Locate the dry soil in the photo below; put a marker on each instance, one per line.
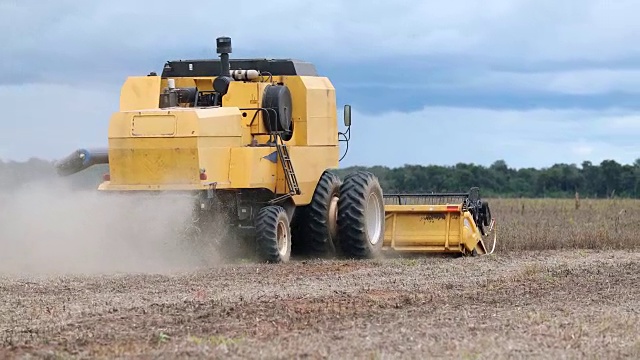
(90, 276)
(560, 304)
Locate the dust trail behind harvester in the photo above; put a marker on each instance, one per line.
(49, 228)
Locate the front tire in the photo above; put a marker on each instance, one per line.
(273, 234)
(361, 216)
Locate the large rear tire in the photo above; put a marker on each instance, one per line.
(273, 234)
(361, 216)
(316, 228)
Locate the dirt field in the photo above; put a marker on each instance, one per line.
(112, 299)
(581, 304)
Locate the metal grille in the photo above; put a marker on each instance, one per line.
(426, 199)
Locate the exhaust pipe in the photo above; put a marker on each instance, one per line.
(81, 159)
(221, 83)
(223, 48)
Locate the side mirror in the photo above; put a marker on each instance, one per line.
(347, 115)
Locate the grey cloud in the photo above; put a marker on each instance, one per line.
(68, 117)
(74, 55)
(496, 31)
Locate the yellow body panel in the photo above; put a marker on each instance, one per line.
(309, 162)
(153, 161)
(140, 92)
(315, 114)
(431, 228)
(248, 95)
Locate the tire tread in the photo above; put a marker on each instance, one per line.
(266, 233)
(351, 214)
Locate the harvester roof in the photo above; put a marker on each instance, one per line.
(211, 67)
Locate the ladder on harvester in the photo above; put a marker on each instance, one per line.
(287, 166)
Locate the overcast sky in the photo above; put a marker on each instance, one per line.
(431, 82)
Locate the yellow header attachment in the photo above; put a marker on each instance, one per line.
(444, 227)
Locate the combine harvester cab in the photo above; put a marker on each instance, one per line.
(457, 223)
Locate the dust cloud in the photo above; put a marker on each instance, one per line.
(49, 228)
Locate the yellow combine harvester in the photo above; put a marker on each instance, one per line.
(253, 141)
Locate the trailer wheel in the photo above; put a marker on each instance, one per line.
(273, 234)
(316, 225)
(361, 215)
(486, 214)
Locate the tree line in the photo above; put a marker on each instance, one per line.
(607, 179)
(604, 180)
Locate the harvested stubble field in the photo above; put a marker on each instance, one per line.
(563, 283)
(554, 224)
